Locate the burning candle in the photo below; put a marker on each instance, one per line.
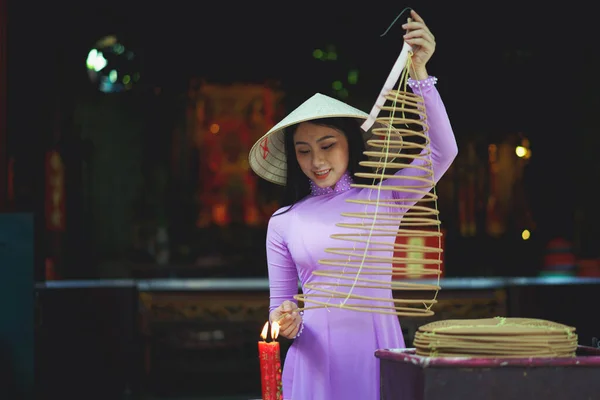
(270, 364)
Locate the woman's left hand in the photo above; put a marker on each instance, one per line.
(422, 41)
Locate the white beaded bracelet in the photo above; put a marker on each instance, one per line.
(422, 84)
(301, 326)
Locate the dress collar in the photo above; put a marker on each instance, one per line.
(341, 186)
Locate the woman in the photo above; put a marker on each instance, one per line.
(332, 356)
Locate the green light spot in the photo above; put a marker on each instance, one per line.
(352, 77)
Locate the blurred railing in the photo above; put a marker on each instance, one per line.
(189, 336)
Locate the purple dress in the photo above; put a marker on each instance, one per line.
(333, 358)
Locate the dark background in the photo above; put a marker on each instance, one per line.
(502, 67)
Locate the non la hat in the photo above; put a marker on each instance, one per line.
(267, 156)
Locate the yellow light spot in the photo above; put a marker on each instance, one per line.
(416, 268)
(521, 151)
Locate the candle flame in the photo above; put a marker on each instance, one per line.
(274, 330)
(263, 334)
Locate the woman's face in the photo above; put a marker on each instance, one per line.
(322, 153)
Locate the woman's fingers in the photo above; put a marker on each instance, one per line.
(289, 324)
(420, 33)
(290, 331)
(416, 22)
(288, 318)
(416, 16)
(288, 306)
(420, 42)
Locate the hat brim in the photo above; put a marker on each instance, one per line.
(267, 156)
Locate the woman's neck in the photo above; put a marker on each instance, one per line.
(342, 185)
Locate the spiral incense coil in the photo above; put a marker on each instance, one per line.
(383, 237)
(496, 337)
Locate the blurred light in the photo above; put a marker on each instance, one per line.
(337, 85)
(353, 77)
(331, 53)
(326, 55)
(118, 48)
(109, 60)
(112, 76)
(521, 151)
(525, 234)
(95, 60)
(214, 128)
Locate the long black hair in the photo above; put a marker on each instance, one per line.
(297, 184)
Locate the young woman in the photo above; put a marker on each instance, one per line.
(315, 152)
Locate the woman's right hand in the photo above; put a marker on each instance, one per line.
(422, 41)
(288, 318)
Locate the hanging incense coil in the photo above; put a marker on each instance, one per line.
(386, 236)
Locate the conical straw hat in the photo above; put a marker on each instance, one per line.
(267, 156)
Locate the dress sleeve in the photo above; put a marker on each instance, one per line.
(283, 276)
(442, 141)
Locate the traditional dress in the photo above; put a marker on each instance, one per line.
(333, 358)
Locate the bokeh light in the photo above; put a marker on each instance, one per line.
(111, 66)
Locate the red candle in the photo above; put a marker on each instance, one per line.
(270, 364)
